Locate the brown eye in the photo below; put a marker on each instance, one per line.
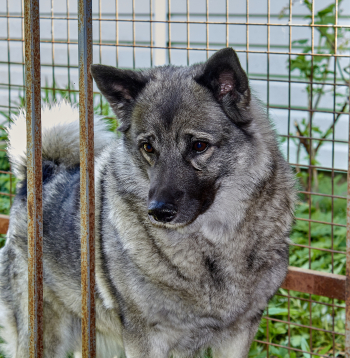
(148, 148)
(200, 146)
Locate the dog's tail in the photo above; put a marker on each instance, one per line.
(60, 137)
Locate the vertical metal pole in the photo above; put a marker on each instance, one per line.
(160, 33)
(188, 29)
(347, 297)
(169, 31)
(290, 78)
(333, 155)
(247, 36)
(268, 113)
(151, 32)
(288, 133)
(117, 31)
(207, 27)
(133, 36)
(87, 198)
(227, 19)
(312, 170)
(34, 178)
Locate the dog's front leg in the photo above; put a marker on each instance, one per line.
(144, 345)
(238, 345)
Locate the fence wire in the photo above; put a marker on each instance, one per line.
(296, 54)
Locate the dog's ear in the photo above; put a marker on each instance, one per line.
(120, 88)
(225, 78)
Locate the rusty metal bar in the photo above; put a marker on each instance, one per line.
(7, 194)
(311, 300)
(289, 133)
(319, 248)
(97, 18)
(347, 297)
(34, 178)
(308, 353)
(189, 48)
(280, 80)
(87, 198)
(315, 282)
(290, 323)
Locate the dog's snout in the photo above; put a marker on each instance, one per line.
(163, 212)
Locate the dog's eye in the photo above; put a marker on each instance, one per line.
(200, 146)
(148, 148)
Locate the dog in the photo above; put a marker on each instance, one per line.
(194, 205)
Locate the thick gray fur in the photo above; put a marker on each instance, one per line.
(199, 278)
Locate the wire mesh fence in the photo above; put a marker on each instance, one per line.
(296, 54)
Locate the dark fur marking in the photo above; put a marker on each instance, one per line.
(170, 107)
(266, 185)
(22, 189)
(251, 258)
(162, 255)
(256, 318)
(215, 272)
(48, 169)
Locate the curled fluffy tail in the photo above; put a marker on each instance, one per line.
(60, 137)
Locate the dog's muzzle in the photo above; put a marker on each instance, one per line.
(162, 212)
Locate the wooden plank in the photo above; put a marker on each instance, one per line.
(4, 223)
(315, 282)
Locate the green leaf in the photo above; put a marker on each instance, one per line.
(301, 42)
(326, 10)
(325, 350)
(295, 340)
(305, 347)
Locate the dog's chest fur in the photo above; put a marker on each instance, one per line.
(195, 278)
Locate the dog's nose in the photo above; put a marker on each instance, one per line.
(163, 212)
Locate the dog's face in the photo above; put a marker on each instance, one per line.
(179, 124)
(177, 137)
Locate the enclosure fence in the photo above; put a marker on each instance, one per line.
(296, 55)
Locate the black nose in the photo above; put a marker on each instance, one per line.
(161, 211)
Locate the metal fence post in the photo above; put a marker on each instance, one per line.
(34, 178)
(347, 295)
(87, 199)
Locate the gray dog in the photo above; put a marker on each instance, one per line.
(194, 204)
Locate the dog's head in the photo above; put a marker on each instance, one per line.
(180, 123)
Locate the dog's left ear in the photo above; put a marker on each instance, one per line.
(224, 76)
(120, 88)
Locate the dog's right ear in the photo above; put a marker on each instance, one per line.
(120, 88)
